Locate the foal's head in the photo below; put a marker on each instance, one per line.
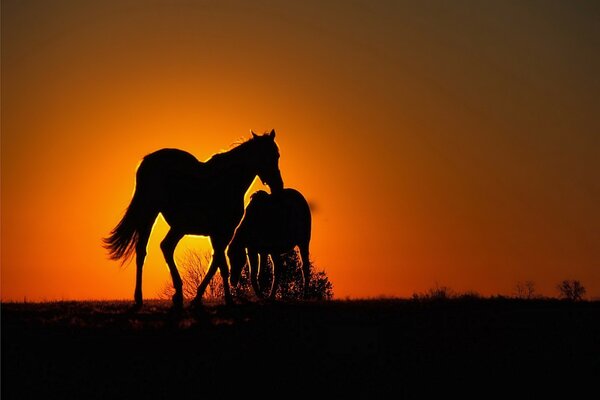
(254, 216)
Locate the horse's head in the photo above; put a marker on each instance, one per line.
(267, 160)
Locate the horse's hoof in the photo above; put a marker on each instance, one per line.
(229, 299)
(177, 300)
(196, 303)
(135, 307)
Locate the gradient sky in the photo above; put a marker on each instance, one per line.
(455, 143)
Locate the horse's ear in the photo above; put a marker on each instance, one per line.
(272, 134)
(253, 134)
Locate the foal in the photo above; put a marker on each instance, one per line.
(272, 225)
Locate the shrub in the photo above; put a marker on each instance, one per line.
(193, 266)
(436, 293)
(525, 290)
(571, 290)
(291, 282)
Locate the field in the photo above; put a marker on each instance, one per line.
(402, 348)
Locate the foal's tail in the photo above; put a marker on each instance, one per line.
(122, 241)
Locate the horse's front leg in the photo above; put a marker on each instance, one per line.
(218, 261)
(205, 281)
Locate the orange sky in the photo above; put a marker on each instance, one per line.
(455, 143)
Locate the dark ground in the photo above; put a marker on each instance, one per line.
(404, 348)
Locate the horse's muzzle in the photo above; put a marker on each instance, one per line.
(276, 184)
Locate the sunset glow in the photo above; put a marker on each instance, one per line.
(456, 145)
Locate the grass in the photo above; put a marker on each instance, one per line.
(413, 348)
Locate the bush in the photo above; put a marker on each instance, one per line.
(193, 266)
(525, 290)
(571, 290)
(435, 293)
(291, 282)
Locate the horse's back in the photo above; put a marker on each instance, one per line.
(168, 173)
(168, 162)
(292, 218)
(295, 200)
(296, 207)
(174, 158)
(299, 214)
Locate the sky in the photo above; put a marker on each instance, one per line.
(439, 143)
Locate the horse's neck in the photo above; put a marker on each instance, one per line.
(242, 181)
(238, 175)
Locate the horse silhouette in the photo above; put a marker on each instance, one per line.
(196, 198)
(273, 225)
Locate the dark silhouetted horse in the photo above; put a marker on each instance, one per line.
(272, 225)
(195, 198)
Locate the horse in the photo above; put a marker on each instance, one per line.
(273, 225)
(195, 198)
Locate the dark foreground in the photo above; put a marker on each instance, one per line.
(472, 348)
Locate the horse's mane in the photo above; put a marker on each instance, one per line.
(234, 149)
(260, 195)
(223, 158)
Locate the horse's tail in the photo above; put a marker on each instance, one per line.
(124, 237)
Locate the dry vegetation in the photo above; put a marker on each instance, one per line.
(461, 346)
(193, 266)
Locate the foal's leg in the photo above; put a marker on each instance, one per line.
(140, 256)
(263, 274)
(305, 267)
(277, 270)
(168, 246)
(253, 264)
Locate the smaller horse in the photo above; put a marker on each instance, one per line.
(272, 225)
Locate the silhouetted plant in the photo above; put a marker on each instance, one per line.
(193, 266)
(435, 293)
(571, 290)
(292, 281)
(469, 295)
(525, 290)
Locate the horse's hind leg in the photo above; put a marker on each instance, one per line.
(140, 257)
(305, 267)
(168, 246)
